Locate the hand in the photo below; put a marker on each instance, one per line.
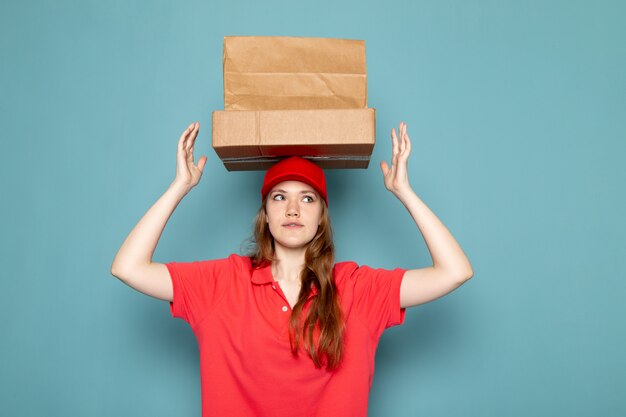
(188, 174)
(396, 177)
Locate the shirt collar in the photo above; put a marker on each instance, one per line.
(264, 275)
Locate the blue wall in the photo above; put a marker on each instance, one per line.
(517, 114)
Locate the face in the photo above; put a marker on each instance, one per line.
(293, 213)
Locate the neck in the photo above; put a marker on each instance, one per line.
(289, 264)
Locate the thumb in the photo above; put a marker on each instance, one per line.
(384, 167)
(202, 163)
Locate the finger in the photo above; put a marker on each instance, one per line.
(180, 155)
(402, 138)
(192, 136)
(394, 147)
(183, 136)
(401, 170)
(384, 167)
(186, 131)
(408, 146)
(202, 163)
(192, 140)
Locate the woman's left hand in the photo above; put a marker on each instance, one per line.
(396, 177)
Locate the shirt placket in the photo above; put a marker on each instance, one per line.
(285, 307)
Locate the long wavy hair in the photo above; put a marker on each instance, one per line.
(320, 332)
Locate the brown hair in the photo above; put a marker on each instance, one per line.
(321, 331)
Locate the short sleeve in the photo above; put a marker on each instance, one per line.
(198, 287)
(377, 297)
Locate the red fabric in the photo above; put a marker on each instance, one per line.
(246, 366)
(298, 169)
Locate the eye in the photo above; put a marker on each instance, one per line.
(276, 197)
(310, 198)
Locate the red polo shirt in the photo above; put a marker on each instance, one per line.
(240, 319)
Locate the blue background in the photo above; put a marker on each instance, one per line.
(517, 114)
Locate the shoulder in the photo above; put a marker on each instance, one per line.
(352, 269)
(345, 271)
(352, 272)
(233, 259)
(345, 267)
(239, 263)
(238, 259)
(232, 262)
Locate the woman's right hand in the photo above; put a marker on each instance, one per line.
(188, 174)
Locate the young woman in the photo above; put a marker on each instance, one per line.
(286, 331)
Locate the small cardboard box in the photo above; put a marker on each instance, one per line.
(334, 138)
(288, 96)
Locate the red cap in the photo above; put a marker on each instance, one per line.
(295, 168)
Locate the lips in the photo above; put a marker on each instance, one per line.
(292, 225)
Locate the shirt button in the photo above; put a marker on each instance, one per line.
(274, 286)
(284, 308)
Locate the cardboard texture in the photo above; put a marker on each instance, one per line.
(278, 73)
(288, 96)
(249, 140)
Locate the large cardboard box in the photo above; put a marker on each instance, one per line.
(333, 138)
(281, 72)
(288, 96)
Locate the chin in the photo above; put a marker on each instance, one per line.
(292, 244)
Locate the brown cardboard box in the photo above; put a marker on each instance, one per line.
(288, 96)
(282, 72)
(334, 138)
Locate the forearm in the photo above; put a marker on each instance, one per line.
(140, 244)
(444, 250)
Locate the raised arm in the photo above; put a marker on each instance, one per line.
(450, 268)
(133, 262)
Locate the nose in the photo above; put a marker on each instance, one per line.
(293, 210)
